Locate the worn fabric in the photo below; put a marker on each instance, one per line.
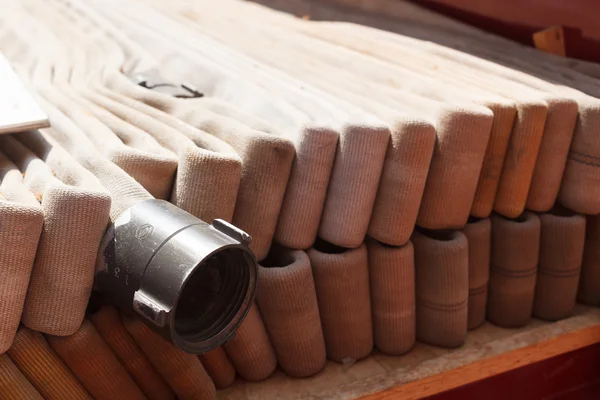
(513, 269)
(218, 367)
(342, 285)
(46, 371)
(392, 283)
(94, 364)
(478, 233)
(13, 384)
(562, 239)
(287, 300)
(183, 372)
(107, 322)
(442, 287)
(21, 218)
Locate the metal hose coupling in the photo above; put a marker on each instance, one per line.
(192, 282)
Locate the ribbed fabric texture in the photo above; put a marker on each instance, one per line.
(21, 218)
(392, 280)
(478, 233)
(341, 279)
(13, 384)
(250, 350)
(513, 269)
(442, 287)
(107, 322)
(75, 218)
(183, 372)
(520, 161)
(218, 367)
(287, 300)
(561, 253)
(552, 155)
(454, 170)
(44, 368)
(589, 282)
(402, 181)
(94, 364)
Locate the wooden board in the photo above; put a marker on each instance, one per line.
(428, 370)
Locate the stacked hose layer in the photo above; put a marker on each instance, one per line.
(397, 188)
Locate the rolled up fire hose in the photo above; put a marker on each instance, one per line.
(32, 354)
(392, 279)
(513, 269)
(94, 364)
(442, 287)
(561, 253)
(478, 233)
(107, 322)
(13, 384)
(287, 300)
(342, 284)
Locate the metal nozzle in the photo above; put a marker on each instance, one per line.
(190, 281)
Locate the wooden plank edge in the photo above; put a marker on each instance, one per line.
(486, 368)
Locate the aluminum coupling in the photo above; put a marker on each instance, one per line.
(190, 281)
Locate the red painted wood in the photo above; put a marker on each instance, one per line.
(570, 376)
(519, 19)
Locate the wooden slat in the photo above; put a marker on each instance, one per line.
(492, 366)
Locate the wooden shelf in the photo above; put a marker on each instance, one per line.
(428, 370)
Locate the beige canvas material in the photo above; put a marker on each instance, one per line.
(336, 56)
(44, 368)
(107, 322)
(341, 279)
(183, 372)
(287, 300)
(561, 252)
(315, 144)
(503, 110)
(354, 177)
(250, 350)
(392, 282)
(218, 367)
(442, 287)
(13, 384)
(589, 282)
(407, 158)
(513, 269)
(75, 218)
(580, 171)
(478, 233)
(93, 363)
(266, 160)
(21, 218)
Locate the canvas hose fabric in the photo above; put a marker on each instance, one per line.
(94, 364)
(442, 287)
(513, 269)
(13, 384)
(562, 239)
(46, 371)
(218, 367)
(478, 233)
(21, 218)
(392, 281)
(403, 178)
(287, 299)
(107, 322)
(75, 217)
(183, 372)
(250, 350)
(341, 279)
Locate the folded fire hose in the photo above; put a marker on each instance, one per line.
(224, 189)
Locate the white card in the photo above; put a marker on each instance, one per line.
(18, 110)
